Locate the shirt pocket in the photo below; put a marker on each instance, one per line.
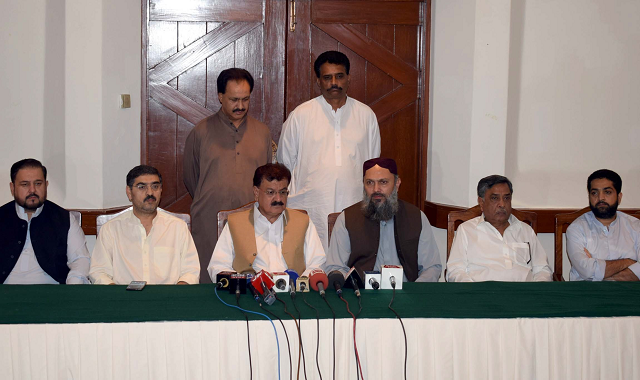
(522, 253)
(163, 265)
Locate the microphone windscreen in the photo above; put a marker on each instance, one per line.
(293, 275)
(317, 276)
(336, 277)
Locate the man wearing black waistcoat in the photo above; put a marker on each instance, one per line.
(383, 230)
(40, 242)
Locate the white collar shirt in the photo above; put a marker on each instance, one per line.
(481, 253)
(124, 252)
(28, 271)
(621, 240)
(269, 237)
(325, 150)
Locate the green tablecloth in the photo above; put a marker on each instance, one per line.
(93, 304)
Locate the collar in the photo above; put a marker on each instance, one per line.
(594, 222)
(261, 223)
(132, 218)
(22, 214)
(226, 121)
(327, 106)
(513, 222)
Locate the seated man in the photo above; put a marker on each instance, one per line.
(41, 243)
(144, 244)
(496, 246)
(383, 230)
(268, 236)
(604, 244)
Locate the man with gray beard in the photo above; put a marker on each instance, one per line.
(383, 230)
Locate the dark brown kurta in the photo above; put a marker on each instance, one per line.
(219, 163)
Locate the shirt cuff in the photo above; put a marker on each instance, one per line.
(189, 278)
(635, 268)
(76, 280)
(601, 265)
(102, 279)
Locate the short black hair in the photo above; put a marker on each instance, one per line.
(333, 57)
(488, 182)
(141, 170)
(271, 172)
(606, 174)
(26, 163)
(233, 74)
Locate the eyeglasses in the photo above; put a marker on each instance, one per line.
(144, 186)
(270, 193)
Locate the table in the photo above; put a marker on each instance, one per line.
(455, 331)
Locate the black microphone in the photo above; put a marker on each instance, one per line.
(337, 279)
(374, 283)
(354, 280)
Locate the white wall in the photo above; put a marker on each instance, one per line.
(63, 66)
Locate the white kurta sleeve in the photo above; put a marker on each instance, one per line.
(223, 254)
(288, 145)
(77, 254)
(101, 271)
(428, 254)
(458, 260)
(314, 256)
(189, 261)
(340, 247)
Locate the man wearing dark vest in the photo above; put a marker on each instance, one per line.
(268, 236)
(40, 242)
(383, 230)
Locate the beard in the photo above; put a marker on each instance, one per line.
(30, 206)
(604, 212)
(383, 210)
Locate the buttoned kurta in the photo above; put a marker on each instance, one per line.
(325, 150)
(219, 163)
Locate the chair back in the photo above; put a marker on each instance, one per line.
(331, 219)
(102, 219)
(562, 221)
(78, 216)
(455, 218)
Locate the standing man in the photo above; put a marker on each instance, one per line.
(144, 244)
(220, 156)
(324, 143)
(496, 246)
(384, 230)
(604, 244)
(40, 242)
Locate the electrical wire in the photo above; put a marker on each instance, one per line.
(297, 328)
(304, 364)
(393, 285)
(359, 373)
(286, 336)
(317, 333)
(246, 317)
(334, 336)
(255, 312)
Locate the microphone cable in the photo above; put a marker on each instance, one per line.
(393, 285)
(255, 312)
(246, 317)
(317, 332)
(334, 336)
(299, 325)
(286, 336)
(359, 373)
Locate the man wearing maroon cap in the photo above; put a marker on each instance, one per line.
(383, 230)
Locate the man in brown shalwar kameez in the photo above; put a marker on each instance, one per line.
(221, 155)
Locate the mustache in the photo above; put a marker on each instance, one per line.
(277, 203)
(149, 197)
(334, 87)
(239, 110)
(602, 203)
(33, 196)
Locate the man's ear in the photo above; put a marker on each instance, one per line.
(481, 203)
(12, 188)
(129, 195)
(256, 190)
(398, 183)
(619, 198)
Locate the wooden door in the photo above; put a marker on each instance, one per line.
(387, 45)
(185, 45)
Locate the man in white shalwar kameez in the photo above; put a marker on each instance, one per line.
(324, 143)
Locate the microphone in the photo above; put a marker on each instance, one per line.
(337, 279)
(318, 281)
(353, 280)
(389, 275)
(263, 284)
(281, 280)
(254, 292)
(293, 276)
(372, 280)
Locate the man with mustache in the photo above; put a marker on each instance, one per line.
(604, 244)
(324, 143)
(220, 155)
(269, 236)
(383, 230)
(40, 242)
(144, 243)
(496, 246)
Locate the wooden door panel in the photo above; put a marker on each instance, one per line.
(188, 43)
